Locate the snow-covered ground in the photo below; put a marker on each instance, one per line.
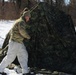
(11, 72)
(5, 26)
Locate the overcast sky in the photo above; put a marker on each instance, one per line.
(6, 0)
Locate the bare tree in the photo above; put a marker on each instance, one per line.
(18, 3)
(2, 2)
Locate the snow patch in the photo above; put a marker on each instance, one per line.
(5, 26)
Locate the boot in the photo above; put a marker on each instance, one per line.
(3, 73)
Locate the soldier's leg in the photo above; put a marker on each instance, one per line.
(9, 58)
(23, 58)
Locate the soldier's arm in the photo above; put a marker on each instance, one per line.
(22, 31)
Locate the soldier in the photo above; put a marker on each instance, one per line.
(16, 46)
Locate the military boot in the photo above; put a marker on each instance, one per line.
(3, 73)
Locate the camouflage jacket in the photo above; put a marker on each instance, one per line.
(18, 32)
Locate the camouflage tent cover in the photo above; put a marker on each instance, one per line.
(53, 40)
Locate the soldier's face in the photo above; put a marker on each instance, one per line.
(27, 18)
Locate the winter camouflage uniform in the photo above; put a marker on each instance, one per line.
(16, 46)
(18, 32)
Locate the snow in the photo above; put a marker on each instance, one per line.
(11, 72)
(5, 26)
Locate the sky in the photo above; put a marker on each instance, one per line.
(6, 0)
(67, 2)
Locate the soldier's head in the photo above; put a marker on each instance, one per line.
(26, 14)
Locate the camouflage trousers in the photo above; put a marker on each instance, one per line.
(15, 49)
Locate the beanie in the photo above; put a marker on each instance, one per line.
(25, 12)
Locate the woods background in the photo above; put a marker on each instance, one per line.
(10, 10)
